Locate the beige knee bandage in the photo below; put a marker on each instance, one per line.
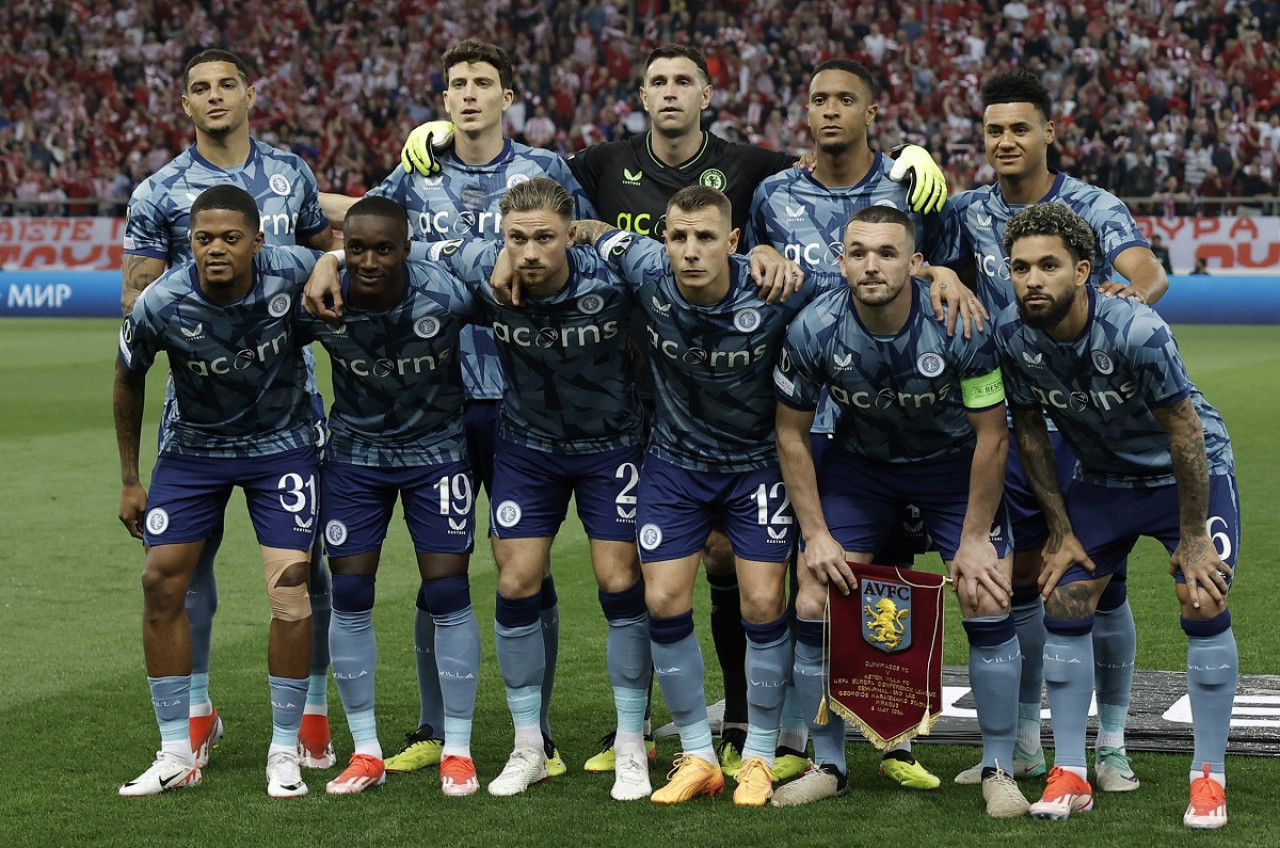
(288, 603)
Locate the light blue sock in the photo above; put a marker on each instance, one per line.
(811, 688)
(1068, 677)
(1028, 620)
(430, 701)
(199, 688)
(287, 699)
(364, 729)
(320, 593)
(457, 654)
(794, 733)
(628, 657)
(458, 648)
(1212, 670)
(769, 656)
(549, 615)
(520, 657)
(1115, 649)
(995, 664)
(202, 605)
(677, 657)
(170, 700)
(355, 659)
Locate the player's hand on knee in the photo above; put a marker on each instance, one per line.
(926, 184)
(133, 508)
(824, 557)
(1204, 571)
(977, 569)
(1059, 555)
(421, 149)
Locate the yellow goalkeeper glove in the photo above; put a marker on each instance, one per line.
(421, 147)
(926, 184)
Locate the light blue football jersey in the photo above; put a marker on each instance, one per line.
(397, 377)
(804, 220)
(462, 202)
(565, 354)
(237, 368)
(712, 365)
(1101, 387)
(976, 221)
(899, 396)
(284, 188)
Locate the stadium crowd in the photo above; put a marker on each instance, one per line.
(1172, 101)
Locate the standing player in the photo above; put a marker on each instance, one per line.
(396, 431)
(218, 98)
(710, 460)
(922, 421)
(462, 200)
(571, 428)
(243, 419)
(803, 215)
(1018, 132)
(1152, 459)
(630, 183)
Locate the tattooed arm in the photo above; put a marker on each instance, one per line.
(588, 232)
(1062, 549)
(1196, 555)
(139, 272)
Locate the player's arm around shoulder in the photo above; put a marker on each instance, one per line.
(1148, 281)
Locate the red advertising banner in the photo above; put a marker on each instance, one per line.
(885, 652)
(1229, 244)
(61, 244)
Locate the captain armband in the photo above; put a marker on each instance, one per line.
(983, 392)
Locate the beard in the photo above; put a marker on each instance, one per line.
(1046, 317)
(835, 148)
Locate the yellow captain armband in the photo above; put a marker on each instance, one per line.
(983, 392)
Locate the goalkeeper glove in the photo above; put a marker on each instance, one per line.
(926, 184)
(421, 147)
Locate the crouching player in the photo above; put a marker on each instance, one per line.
(922, 422)
(243, 419)
(396, 432)
(1153, 459)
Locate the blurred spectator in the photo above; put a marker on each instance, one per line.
(88, 98)
(1161, 252)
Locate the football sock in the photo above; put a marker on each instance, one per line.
(1028, 619)
(1115, 648)
(995, 665)
(1068, 677)
(202, 605)
(430, 701)
(457, 649)
(769, 654)
(811, 689)
(678, 660)
(287, 698)
(549, 614)
(730, 642)
(169, 699)
(628, 655)
(1212, 670)
(319, 593)
(520, 658)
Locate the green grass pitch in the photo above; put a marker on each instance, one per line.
(75, 717)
